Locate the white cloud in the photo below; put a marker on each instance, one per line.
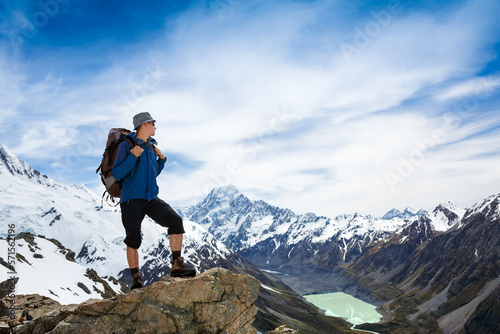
(216, 88)
(10, 95)
(479, 88)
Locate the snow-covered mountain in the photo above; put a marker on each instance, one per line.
(283, 242)
(74, 215)
(446, 216)
(407, 213)
(38, 266)
(270, 236)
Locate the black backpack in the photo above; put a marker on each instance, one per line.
(115, 137)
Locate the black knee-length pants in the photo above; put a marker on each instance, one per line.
(134, 211)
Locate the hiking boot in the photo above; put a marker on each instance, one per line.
(136, 281)
(179, 269)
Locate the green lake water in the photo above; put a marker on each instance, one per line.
(339, 304)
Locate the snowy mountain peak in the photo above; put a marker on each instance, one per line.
(490, 206)
(405, 214)
(410, 210)
(391, 214)
(446, 215)
(447, 206)
(5, 150)
(421, 212)
(228, 191)
(11, 164)
(222, 197)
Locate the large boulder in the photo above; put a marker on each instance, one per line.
(216, 301)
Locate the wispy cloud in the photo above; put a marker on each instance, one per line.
(265, 98)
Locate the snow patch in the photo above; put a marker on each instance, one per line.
(41, 273)
(269, 288)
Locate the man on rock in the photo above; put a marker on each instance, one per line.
(137, 168)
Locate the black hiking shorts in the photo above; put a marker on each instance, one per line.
(134, 211)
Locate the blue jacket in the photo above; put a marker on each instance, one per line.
(138, 175)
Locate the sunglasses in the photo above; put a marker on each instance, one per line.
(152, 123)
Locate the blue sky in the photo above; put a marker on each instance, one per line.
(329, 107)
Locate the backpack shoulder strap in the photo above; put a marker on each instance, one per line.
(132, 142)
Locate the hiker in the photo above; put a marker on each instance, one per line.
(137, 168)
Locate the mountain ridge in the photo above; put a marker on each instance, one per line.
(375, 259)
(268, 235)
(17, 166)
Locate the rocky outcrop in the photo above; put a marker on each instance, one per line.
(216, 301)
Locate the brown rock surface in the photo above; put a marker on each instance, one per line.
(216, 301)
(283, 330)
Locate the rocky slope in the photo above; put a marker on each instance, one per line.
(446, 281)
(217, 301)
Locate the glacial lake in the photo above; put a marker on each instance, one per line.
(339, 304)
